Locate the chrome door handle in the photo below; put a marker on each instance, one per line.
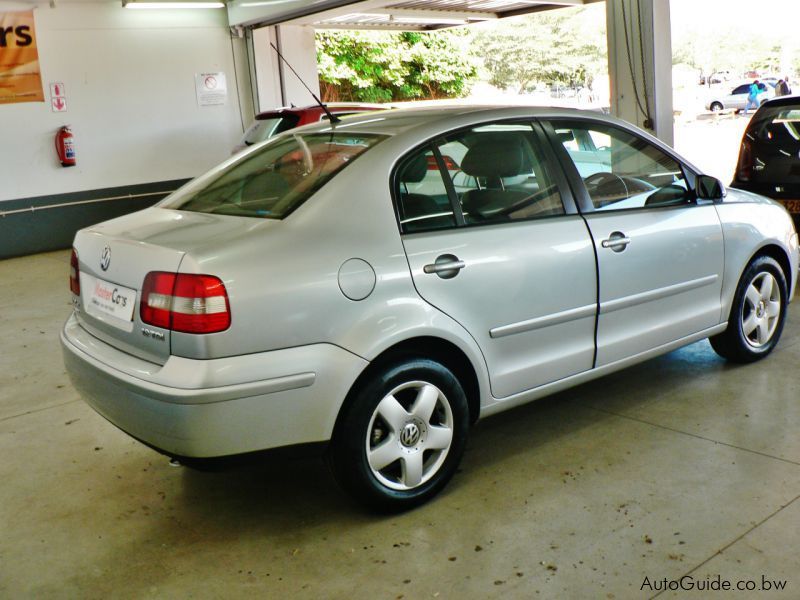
(446, 266)
(617, 241)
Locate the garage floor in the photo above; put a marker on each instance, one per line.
(682, 465)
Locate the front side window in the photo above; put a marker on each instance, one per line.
(273, 181)
(621, 171)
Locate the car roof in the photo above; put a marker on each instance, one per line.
(316, 108)
(793, 100)
(400, 120)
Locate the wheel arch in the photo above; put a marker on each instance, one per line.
(435, 348)
(780, 256)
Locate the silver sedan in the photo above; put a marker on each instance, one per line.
(380, 284)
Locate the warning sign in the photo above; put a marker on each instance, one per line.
(211, 88)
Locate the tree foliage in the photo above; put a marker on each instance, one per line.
(556, 47)
(376, 66)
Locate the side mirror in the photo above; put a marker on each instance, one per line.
(709, 188)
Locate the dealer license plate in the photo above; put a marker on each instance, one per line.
(102, 298)
(793, 206)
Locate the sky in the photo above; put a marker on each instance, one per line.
(768, 17)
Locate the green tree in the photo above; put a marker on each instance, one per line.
(376, 66)
(565, 46)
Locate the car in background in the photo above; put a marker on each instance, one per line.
(272, 122)
(310, 290)
(737, 98)
(769, 157)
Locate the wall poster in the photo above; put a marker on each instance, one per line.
(20, 79)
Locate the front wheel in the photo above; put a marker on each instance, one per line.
(401, 435)
(757, 314)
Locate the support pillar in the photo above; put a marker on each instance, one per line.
(640, 64)
(276, 85)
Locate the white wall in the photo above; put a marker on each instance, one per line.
(130, 90)
(297, 45)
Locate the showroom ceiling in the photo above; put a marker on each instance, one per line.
(393, 15)
(425, 15)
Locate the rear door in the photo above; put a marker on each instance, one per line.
(493, 239)
(659, 253)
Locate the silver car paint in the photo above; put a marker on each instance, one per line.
(282, 279)
(664, 285)
(510, 295)
(296, 400)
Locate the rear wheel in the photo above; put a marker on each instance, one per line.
(716, 107)
(757, 315)
(401, 435)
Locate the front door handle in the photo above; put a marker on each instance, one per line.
(445, 266)
(617, 241)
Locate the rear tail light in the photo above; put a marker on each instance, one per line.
(449, 163)
(744, 169)
(74, 274)
(185, 302)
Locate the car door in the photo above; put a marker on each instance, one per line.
(502, 251)
(738, 97)
(659, 251)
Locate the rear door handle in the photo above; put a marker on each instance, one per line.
(617, 241)
(445, 266)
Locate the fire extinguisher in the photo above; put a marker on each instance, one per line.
(65, 146)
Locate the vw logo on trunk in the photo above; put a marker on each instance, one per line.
(105, 258)
(410, 435)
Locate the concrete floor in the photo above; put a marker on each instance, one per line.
(682, 465)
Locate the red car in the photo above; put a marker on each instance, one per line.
(273, 122)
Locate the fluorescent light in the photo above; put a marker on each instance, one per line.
(264, 3)
(427, 20)
(172, 5)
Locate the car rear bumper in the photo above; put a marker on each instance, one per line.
(210, 408)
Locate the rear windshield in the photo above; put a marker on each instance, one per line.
(779, 124)
(263, 129)
(274, 180)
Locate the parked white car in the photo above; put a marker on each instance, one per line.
(378, 285)
(736, 99)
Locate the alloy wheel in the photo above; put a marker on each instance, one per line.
(409, 435)
(761, 309)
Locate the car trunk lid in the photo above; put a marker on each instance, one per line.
(114, 259)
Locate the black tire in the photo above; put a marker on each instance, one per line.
(742, 341)
(716, 107)
(414, 383)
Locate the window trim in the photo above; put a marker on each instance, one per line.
(581, 194)
(551, 164)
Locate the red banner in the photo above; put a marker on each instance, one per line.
(20, 80)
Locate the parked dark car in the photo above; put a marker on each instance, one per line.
(272, 122)
(769, 158)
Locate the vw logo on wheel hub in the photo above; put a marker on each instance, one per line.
(409, 436)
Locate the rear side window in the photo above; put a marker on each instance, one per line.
(273, 181)
(494, 172)
(422, 200)
(779, 125)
